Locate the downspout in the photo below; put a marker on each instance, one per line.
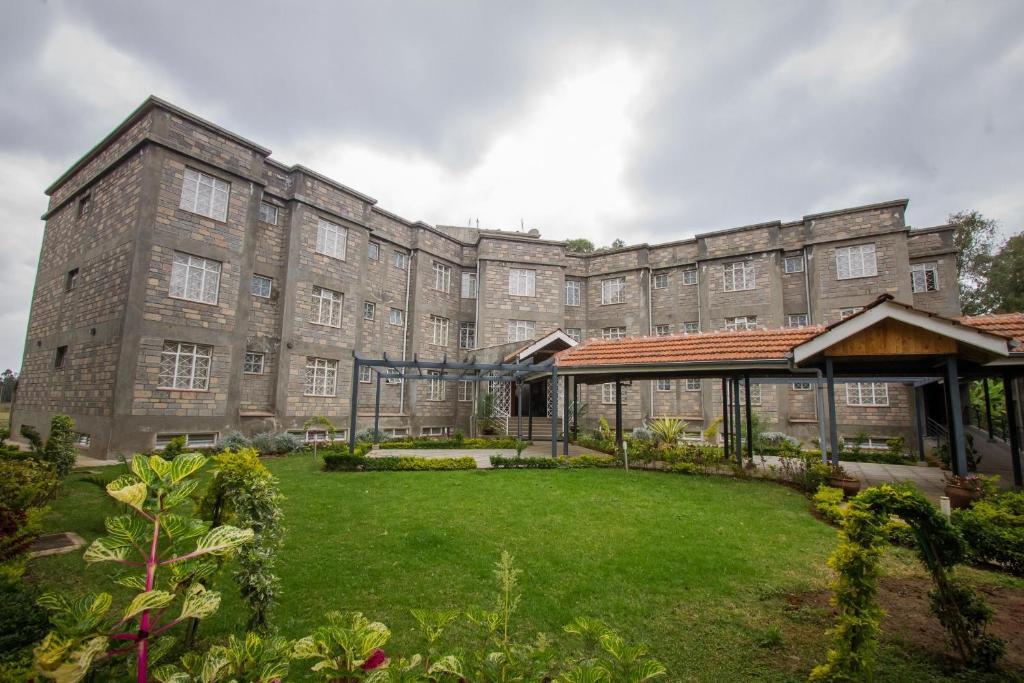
(476, 340)
(807, 287)
(405, 329)
(650, 328)
(819, 403)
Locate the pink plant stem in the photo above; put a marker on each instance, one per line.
(151, 563)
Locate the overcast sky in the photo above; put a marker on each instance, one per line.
(646, 121)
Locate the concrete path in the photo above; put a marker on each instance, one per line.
(930, 480)
(995, 456)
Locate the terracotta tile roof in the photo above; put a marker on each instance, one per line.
(1009, 325)
(689, 348)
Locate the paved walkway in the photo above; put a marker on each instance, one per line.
(481, 455)
(930, 480)
(995, 456)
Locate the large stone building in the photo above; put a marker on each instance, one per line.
(190, 284)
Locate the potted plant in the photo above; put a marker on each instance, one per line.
(841, 479)
(962, 491)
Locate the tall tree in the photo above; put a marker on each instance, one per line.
(1003, 291)
(580, 245)
(618, 243)
(974, 239)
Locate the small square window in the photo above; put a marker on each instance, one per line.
(660, 280)
(693, 384)
(575, 333)
(82, 440)
(663, 385)
(396, 316)
(690, 275)
(662, 330)
(796, 320)
(793, 264)
(84, 205)
(692, 327)
(373, 251)
(71, 279)
(365, 374)
(253, 363)
(261, 286)
(801, 386)
(268, 213)
(369, 310)
(401, 260)
(60, 357)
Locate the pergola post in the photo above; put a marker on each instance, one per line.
(920, 420)
(819, 400)
(575, 406)
(529, 415)
(988, 409)
(376, 412)
(750, 420)
(737, 423)
(554, 411)
(353, 405)
(519, 411)
(1014, 430)
(565, 416)
(833, 431)
(957, 454)
(618, 414)
(725, 419)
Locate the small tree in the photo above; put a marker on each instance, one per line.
(319, 421)
(580, 245)
(60, 445)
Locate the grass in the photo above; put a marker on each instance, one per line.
(699, 568)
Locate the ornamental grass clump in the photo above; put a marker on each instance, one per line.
(161, 554)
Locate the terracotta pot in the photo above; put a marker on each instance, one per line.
(850, 487)
(960, 496)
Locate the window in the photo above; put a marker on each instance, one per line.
(253, 364)
(185, 366)
(692, 327)
(845, 313)
(692, 436)
(365, 374)
(793, 264)
(867, 394)
(331, 239)
(574, 333)
(435, 387)
(741, 322)
(84, 205)
(739, 276)
(693, 384)
(608, 393)
(391, 376)
(321, 377)
(205, 195)
(71, 279)
(319, 435)
(662, 330)
(467, 335)
(522, 282)
(660, 280)
(924, 277)
(433, 431)
(870, 443)
(573, 293)
(856, 261)
(195, 278)
(690, 275)
(59, 357)
(663, 385)
(521, 330)
(401, 260)
(465, 390)
(755, 394)
(442, 277)
(191, 440)
(373, 251)
(439, 330)
(82, 440)
(327, 307)
(396, 316)
(261, 286)
(802, 386)
(469, 285)
(394, 432)
(613, 291)
(796, 320)
(613, 333)
(369, 310)
(268, 213)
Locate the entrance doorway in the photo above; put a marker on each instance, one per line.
(535, 399)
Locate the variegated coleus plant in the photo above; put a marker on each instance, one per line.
(158, 552)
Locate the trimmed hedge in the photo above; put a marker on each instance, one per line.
(994, 530)
(347, 462)
(541, 463)
(500, 442)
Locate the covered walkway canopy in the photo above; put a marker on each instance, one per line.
(885, 342)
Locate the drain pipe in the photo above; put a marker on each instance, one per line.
(405, 329)
(650, 330)
(819, 403)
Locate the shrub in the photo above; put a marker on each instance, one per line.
(666, 430)
(994, 530)
(341, 462)
(538, 463)
(5, 433)
(805, 471)
(417, 464)
(234, 441)
(479, 443)
(596, 442)
(777, 440)
(174, 448)
(31, 434)
(269, 443)
(642, 434)
(587, 461)
(828, 502)
(371, 435)
(25, 487)
(683, 467)
(22, 622)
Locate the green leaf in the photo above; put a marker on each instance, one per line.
(199, 603)
(169, 673)
(148, 600)
(180, 493)
(142, 470)
(104, 549)
(159, 466)
(181, 528)
(126, 529)
(449, 664)
(216, 661)
(50, 653)
(125, 491)
(132, 581)
(223, 539)
(185, 465)
(305, 648)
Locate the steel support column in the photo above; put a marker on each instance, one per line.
(958, 453)
(726, 436)
(529, 415)
(988, 409)
(920, 420)
(1014, 429)
(819, 407)
(737, 421)
(554, 411)
(376, 412)
(353, 406)
(750, 420)
(618, 414)
(575, 407)
(565, 416)
(833, 428)
(519, 411)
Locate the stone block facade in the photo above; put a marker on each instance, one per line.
(125, 339)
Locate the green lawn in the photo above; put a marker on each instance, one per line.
(700, 568)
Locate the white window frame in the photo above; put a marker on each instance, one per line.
(573, 292)
(802, 386)
(608, 393)
(435, 387)
(467, 334)
(691, 327)
(793, 264)
(194, 278)
(739, 276)
(400, 260)
(574, 333)
(205, 195)
(863, 394)
(613, 291)
(365, 374)
(253, 363)
(331, 239)
(196, 440)
(369, 310)
(522, 282)
(521, 330)
(796, 320)
(856, 261)
(433, 431)
(330, 302)
(871, 443)
(321, 378)
(616, 332)
(373, 251)
(741, 322)
(268, 213)
(465, 390)
(693, 384)
(663, 385)
(185, 366)
(662, 330)
(690, 276)
(439, 329)
(920, 273)
(469, 285)
(256, 287)
(661, 280)
(442, 277)
(82, 440)
(397, 320)
(391, 376)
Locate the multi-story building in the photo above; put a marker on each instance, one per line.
(188, 283)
